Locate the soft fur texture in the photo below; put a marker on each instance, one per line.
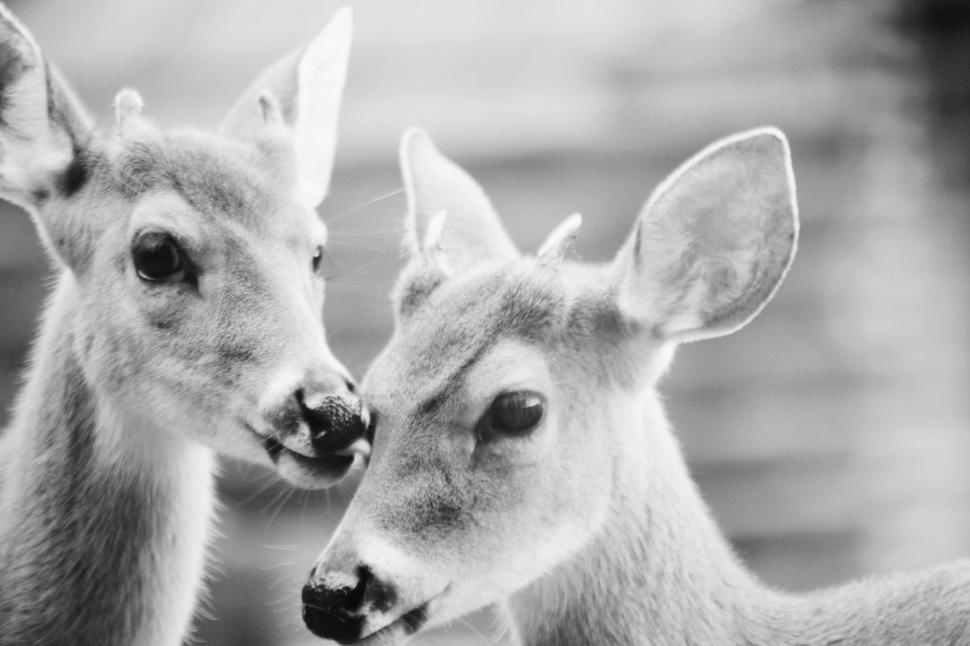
(97, 547)
(586, 529)
(106, 469)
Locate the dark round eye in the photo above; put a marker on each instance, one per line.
(157, 257)
(516, 413)
(317, 259)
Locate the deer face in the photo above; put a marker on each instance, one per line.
(474, 467)
(505, 401)
(196, 257)
(203, 304)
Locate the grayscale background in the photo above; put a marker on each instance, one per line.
(831, 436)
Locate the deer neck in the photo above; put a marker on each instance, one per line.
(657, 572)
(98, 544)
(660, 573)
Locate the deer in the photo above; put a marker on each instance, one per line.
(185, 322)
(521, 460)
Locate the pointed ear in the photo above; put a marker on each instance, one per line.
(43, 128)
(302, 91)
(470, 231)
(714, 241)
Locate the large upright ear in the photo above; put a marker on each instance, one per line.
(43, 128)
(448, 213)
(303, 90)
(714, 241)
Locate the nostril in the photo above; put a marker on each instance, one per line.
(332, 608)
(336, 594)
(319, 418)
(335, 421)
(327, 620)
(351, 386)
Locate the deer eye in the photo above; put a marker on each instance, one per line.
(157, 257)
(317, 259)
(516, 413)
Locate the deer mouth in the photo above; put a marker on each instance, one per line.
(396, 632)
(400, 629)
(308, 471)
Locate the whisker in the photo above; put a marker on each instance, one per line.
(360, 207)
(362, 297)
(503, 624)
(397, 230)
(358, 268)
(355, 244)
(488, 640)
(286, 578)
(304, 513)
(276, 504)
(280, 547)
(279, 508)
(267, 482)
(353, 279)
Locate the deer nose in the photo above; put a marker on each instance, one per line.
(320, 415)
(336, 605)
(336, 420)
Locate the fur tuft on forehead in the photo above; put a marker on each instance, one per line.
(502, 302)
(414, 287)
(464, 317)
(213, 175)
(533, 308)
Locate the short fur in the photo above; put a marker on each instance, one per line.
(587, 529)
(106, 469)
(95, 550)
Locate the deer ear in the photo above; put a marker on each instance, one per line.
(714, 241)
(302, 91)
(43, 127)
(449, 216)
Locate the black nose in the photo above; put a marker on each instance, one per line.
(336, 607)
(336, 420)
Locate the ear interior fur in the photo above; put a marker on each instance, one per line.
(45, 141)
(321, 75)
(714, 241)
(42, 124)
(472, 232)
(303, 90)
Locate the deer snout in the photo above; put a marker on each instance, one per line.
(335, 420)
(341, 605)
(317, 416)
(362, 587)
(314, 427)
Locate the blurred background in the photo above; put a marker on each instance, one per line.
(831, 436)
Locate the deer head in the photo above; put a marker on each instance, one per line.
(192, 259)
(513, 387)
